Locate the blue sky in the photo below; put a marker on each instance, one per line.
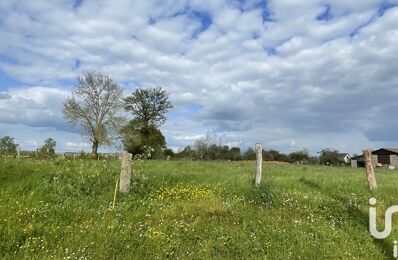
(288, 74)
(6, 81)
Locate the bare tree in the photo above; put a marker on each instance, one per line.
(203, 144)
(95, 104)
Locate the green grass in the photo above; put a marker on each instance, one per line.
(189, 210)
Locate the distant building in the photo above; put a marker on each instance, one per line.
(344, 157)
(69, 154)
(384, 157)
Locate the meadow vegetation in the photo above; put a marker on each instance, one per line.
(62, 209)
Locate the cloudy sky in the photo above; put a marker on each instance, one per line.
(288, 74)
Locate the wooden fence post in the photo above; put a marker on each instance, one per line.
(259, 163)
(367, 155)
(125, 173)
(18, 152)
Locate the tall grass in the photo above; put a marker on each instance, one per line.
(189, 210)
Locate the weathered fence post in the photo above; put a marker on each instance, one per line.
(259, 163)
(125, 174)
(367, 155)
(18, 152)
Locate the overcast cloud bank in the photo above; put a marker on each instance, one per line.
(290, 75)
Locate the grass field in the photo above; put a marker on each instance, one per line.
(189, 210)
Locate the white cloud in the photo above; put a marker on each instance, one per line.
(269, 81)
(33, 106)
(76, 145)
(190, 138)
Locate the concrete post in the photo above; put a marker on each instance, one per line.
(125, 173)
(259, 163)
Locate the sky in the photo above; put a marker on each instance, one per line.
(287, 74)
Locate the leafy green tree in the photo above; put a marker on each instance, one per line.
(214, 152)
(149, 105)
(330, 157)
(137, 136)
(187, 153)
(234, 154)
(7, 145)
(49, 147)
(224, 152)
(168, 152)
(249, 154)
(149, 108)
(314, 160)
(276, 155)
(299, 156)
(267, 156)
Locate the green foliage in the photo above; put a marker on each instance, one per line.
(187, 153)
(218, 152)
(299, 157)
(330, 157)
(214, 152)
(48, 149)
(168, 152)
(61, 209)
(149, 108)
(206, 149)
(249, 154)
(149, 105)
(273, 155)
(137, 135)
(203, 151)
(7, 145)
(234, 154)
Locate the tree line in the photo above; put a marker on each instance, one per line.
(202, 149)
(206, 149)
(9, 147)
